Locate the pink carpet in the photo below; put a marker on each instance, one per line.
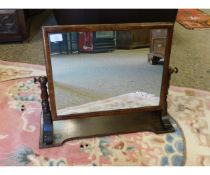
(19, 130)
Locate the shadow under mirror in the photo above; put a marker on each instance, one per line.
(102, 71)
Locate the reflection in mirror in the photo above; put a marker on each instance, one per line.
(109, 70)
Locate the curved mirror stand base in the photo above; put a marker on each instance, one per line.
(66, 130)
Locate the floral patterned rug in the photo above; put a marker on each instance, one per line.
(10, 71)
(19, 131)
(193, 19)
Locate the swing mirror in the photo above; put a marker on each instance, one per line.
(93, 70)
(107, 73)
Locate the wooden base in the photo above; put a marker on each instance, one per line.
(66, 130)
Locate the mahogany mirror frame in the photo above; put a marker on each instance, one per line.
(158, 124)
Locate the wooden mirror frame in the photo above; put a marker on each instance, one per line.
(153, 118)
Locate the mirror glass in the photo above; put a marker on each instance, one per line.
(109, 70)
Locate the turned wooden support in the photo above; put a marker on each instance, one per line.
(47, 119)
(44, 94)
